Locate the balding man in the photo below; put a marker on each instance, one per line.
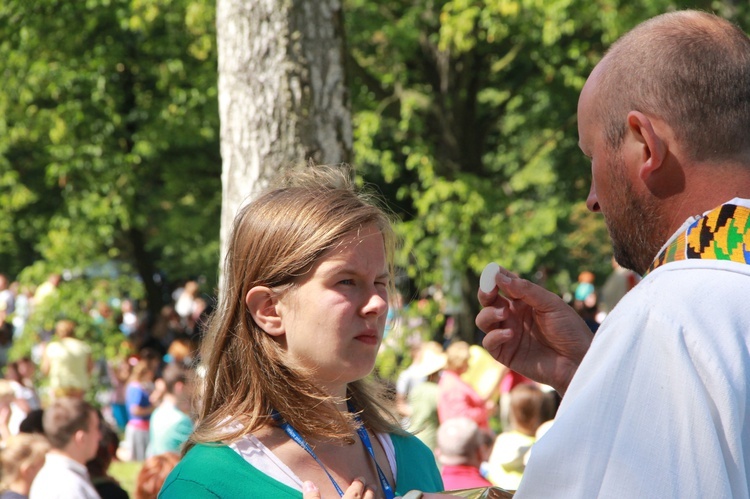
(461, 449)
(659, 404)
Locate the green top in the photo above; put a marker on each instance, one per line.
(219, 472)
(424, 421)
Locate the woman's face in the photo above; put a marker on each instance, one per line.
(333, 321)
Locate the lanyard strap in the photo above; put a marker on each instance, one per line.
(363, 436)
(289, 430)
(387, 490)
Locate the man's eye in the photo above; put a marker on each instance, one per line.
(347, 281)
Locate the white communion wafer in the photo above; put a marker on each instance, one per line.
(487, 279)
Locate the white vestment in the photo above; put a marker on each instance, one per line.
(660, 406)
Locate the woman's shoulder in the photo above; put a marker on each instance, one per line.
(200, 465)
(407, 446)
(203, 472)
(204, 458)
(417, 468)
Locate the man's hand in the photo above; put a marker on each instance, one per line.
(532, 331)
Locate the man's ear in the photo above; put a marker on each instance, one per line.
(78, 436)
(261, 302)
(651, 146)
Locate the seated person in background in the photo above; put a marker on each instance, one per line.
(21, 459)
(106, 485)
(506, 464)
(170, 424)
(461, 451)
(153, 473)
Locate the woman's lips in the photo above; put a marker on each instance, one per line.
(368, 338)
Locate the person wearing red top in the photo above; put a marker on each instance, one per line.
(456, 397)
(461, 451)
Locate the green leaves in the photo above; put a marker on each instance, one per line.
(111, 135)
(464, 116)
(466, 111)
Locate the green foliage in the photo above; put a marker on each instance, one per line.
(464, 115)
(109, 147)
(88, 297)
(466, 111)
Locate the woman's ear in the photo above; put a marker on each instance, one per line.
(261, 302)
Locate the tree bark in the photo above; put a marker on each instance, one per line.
(282, 92)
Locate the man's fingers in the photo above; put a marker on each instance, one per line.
(487, 299)
(490, 318)
(494, 341)
(532, 294)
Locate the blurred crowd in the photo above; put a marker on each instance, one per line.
(479, 418)
(141, 399)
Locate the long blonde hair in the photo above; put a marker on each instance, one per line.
(276, 240)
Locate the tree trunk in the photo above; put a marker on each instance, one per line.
(282, 92)
(144, 263)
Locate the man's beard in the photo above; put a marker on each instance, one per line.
(635, 225)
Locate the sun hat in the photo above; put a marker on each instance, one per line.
(431, 361)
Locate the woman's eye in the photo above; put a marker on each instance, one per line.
(347, 281)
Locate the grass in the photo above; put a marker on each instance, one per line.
(126, 473)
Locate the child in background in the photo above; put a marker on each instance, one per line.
(106, 485)
(119, 374)
(21, 459)
(26, 399)
(506, 464)
(7, 397)
(137, 394)
(153, 473)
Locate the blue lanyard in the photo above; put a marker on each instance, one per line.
(289, 430)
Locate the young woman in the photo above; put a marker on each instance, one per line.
(285, 402)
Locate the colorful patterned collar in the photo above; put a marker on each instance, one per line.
(721, 234)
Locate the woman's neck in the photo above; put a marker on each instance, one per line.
(339, 393)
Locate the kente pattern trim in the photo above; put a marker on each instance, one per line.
(721, 234)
